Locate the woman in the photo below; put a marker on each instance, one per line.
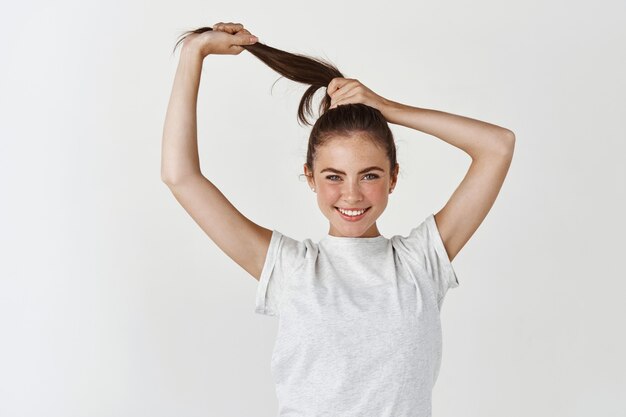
(359, 329)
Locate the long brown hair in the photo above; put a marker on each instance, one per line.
(344, 120)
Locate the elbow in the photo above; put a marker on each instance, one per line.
(174, 180)
(167, 179)
(507, 142)
(168, 176)
(164, 178)
(499, 144)
(509, 136)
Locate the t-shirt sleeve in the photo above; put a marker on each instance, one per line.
(426, 244)
(284, 255)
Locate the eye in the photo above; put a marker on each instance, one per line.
(328, 177)
(373, 176)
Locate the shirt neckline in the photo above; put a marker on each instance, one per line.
(338, 239)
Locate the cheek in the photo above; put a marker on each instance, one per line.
(328, 194)
(377, 193)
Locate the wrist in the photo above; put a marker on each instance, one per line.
(389, 109)
(193, 51)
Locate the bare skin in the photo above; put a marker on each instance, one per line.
(489, 146)
(349, 186)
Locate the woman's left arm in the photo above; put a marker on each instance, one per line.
(477, 138)
(489, 146)
(491, 149)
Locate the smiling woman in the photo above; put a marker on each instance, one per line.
(356, 302)
(353, 197)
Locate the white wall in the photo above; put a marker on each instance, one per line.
(114, 303)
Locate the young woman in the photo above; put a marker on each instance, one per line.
(359, 325)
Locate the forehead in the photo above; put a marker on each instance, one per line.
(353, 151)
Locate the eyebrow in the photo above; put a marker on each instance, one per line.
(372, 168)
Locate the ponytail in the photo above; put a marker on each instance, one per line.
(343, 120)
(314, 72)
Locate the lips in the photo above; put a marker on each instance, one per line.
(352, 218)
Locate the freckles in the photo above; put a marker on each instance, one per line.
(378, 194)
(330, 191)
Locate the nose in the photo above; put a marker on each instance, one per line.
(352, 193)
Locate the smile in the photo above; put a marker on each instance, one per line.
(352, 215)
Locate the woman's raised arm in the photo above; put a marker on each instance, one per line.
(179, 149)
(242, 240)
(491, 149)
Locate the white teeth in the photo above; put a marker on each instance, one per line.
(352, 213)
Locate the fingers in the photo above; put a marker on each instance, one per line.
(229, 27)
(346, 91)
(333, 85)
(342, 89)
(345, 99)
(338, 83)
(244, 37)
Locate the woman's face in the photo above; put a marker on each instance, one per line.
(352, 173)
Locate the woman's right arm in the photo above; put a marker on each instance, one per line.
(180, 148)
(242, 240)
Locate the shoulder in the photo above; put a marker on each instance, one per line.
(292, 244)
(416, 236)
(290, 251)
(422, 243)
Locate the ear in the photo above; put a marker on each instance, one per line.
(309, 176)
(394, 176)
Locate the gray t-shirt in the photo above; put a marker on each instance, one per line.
(359, 332)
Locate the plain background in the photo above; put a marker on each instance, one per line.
(114, 303)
